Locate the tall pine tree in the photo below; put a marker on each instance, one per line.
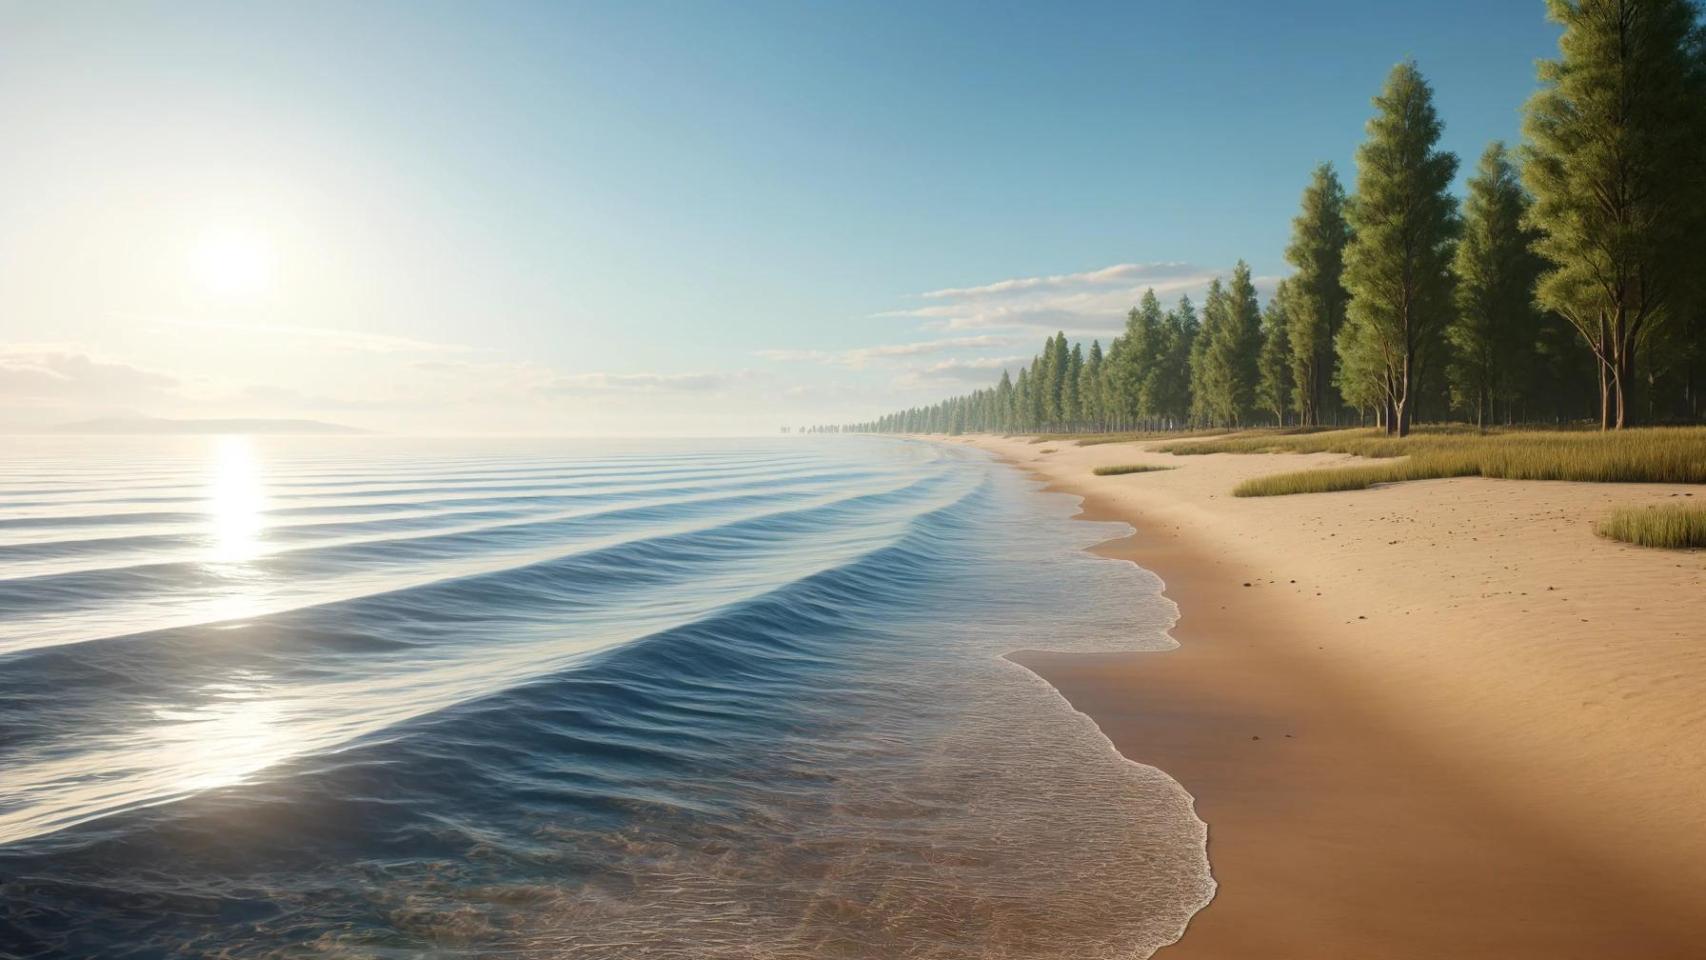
(1145, 338)
(1496, 325)
(1166, 387)
(1404, 221)
(1090, 387)
(1614, 164)
(1207, 381)
(1315, 307)
(1274, 364)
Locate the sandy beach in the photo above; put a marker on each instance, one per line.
(1422, 720)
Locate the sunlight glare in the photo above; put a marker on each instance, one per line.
(232, 263)
(233, 733)
(235, 502)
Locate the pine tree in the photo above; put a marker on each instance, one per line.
(1071, 402)
(1274, 387)
(1119, 392)
(1223, 363)
(1145, 340)
(1166, 387)
(1614, 164)
(1240, 343)
(1001, 419)
(1315, 309)
(1495, 268)
(1057, 362)
(1361, 374)
(1404, 218)
(1022, 401)
(1090, 387)
(1205, 386)
(1038, 413)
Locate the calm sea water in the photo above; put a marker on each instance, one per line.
(360, 697)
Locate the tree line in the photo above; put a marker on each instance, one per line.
(1569, 283)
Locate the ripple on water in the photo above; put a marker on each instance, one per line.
(702, 700)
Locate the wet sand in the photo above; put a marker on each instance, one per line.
(1412, 781)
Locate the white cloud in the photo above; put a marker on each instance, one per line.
(1014, 312)
(292, 399)
(858, 357)
(1119, 273)
(957, 373)
(48, 372)
(526, 378)
(323, 338)
(1084, 304)
(784, 355)
(645, 382)
(978, 369)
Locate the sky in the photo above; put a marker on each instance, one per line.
(658, 218)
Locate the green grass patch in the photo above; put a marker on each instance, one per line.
(1334, 479)
(1128, 468)
(1364, 442)
(1648, 455)
(1674, 526)
(1129, 436)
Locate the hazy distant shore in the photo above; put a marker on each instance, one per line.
(1436, 719)
(149, 426)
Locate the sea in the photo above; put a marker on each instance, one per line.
(376, 697)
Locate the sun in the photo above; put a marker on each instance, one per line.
(231, 263)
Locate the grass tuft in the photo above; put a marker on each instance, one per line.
(1674, 526)
(1128, 468)
(1650, 455)
(1129, 436)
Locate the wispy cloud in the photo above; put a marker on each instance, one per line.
(292, 399)
(1013, 312)
(324, 338)
(646, 382)
(1116, 275)
(521, 378)
(973, 370)
(50, 372)
(1087, 303)
(858, 357)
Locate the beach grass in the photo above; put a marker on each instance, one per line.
(1125, 468)
(1674, 526)
(1648, 455)
(1127, 436)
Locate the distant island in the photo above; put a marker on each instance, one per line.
(202, 426)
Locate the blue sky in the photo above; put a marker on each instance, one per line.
(656, 218)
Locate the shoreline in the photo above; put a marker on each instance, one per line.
(1344, 818)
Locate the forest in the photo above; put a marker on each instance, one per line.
(1567, 286)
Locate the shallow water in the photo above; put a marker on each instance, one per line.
(376, 698)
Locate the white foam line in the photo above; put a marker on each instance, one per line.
(1088, 721)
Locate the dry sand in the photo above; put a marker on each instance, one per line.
(1424, 720)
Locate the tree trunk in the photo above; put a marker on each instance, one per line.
(1404, 401)
(1604, 395)
(1621, 377)
(1627, 386)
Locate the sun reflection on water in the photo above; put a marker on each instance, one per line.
(234, 732)
(236, 523)
(236, 502)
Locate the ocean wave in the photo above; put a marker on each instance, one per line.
(779, 727)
